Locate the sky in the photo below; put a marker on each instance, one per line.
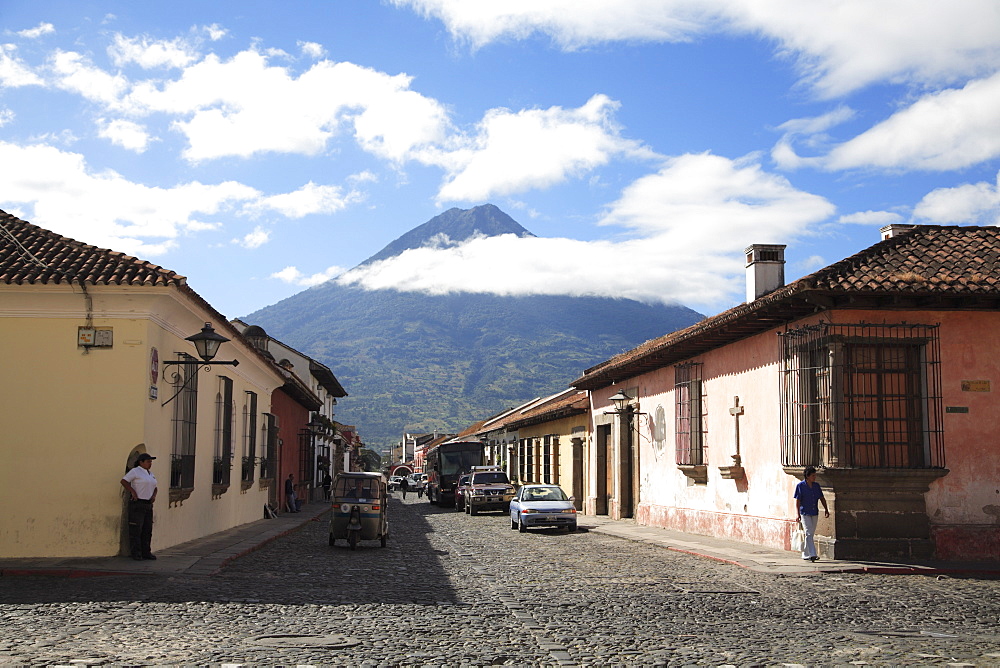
(260, 148)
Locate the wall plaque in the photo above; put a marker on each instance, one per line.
(975, 386)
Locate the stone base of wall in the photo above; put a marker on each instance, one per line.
(967, 542)
(766, 531)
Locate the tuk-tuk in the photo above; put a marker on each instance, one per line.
(359, 505)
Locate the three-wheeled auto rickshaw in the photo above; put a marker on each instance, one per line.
(359, 505)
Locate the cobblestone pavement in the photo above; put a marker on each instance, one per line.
(455, 590)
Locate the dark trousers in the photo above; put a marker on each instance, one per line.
(140, 527)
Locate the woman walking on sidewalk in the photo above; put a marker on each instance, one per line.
(808, 496)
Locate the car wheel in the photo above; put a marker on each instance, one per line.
(572, 527)
(520, 525)
(467, 508)
(473, 510)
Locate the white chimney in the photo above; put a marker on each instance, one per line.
(765, 269)
(894, 230)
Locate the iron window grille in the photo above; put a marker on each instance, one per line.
(269, 447)
(690, 414)
(249, 436)
(862, 396)
(185, 424)
(547, 460)
(224, 414)
(307, 457)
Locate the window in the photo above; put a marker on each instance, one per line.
(690, 434)
(249, 436)
(547, 460)
(185, 423)
(861, 396)
(223, 462)
(269, 447)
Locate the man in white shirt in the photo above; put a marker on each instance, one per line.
(141, 486)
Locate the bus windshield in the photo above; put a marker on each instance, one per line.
(454, 462)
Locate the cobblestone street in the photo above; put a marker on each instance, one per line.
(457, 590)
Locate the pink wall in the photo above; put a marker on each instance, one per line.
(964, 506)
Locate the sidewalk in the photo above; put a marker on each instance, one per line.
(208, 555)
(768, 560)
(202, 556)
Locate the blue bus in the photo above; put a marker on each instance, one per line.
(445, 463)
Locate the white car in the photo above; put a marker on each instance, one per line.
(542, 506)
(394, 481)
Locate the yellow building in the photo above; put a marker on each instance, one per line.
(88, 382)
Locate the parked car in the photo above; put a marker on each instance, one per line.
(394, 481)
(460, 487)
(542, 506)
(488, 489)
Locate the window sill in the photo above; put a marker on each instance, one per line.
(219, 489)
(178, 495)
(697, 472)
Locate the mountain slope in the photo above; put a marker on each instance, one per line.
(419, 363)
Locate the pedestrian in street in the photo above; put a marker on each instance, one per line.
(808, 496)
(404, 485)
(290, 497)
(140, 483)
(327, 485)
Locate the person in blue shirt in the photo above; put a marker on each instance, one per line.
(808, 496)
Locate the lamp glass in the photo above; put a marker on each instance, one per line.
(207, 342)
(620, 400)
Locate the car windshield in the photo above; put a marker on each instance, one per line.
(490, 478)
(544, 494)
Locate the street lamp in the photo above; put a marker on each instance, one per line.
(620, 400)
(207, 343)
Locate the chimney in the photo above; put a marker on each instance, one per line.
(765, 269)
(894, 230)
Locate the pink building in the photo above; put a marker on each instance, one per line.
(877, 369)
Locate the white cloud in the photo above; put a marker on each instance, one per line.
(128, 135)
(255, 239)
(76, 74)
(312, 49)
(37, 31)
(941, 131)
(148, 53)
(977, 203)
(309, 199)
(245, 106)
(104, 208)
(838, 47)
(293, 276)
(534, 149)
(688, 225)
(871, 218)
(13, 72)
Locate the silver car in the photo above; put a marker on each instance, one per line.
(542, 506)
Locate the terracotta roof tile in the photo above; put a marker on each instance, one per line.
(30, 254)
(926, 262)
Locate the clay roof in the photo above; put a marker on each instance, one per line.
(30, 254)
(564, 404)
(930, 267)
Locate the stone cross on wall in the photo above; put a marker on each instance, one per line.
(736, 411)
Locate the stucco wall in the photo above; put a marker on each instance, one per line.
(72, 417)
(963, 506)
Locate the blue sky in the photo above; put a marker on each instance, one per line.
(262, 147)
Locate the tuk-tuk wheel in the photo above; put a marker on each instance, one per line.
(331, 540)
(383, 541)
(352, 538)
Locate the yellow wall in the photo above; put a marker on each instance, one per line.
(563, 470)
(71, 418)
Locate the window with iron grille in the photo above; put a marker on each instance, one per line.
(249, 436)
(307, 457)
(689, 432)
(185, 424)
(861, 396)
(223, 462)
(547, 460)
(269, 447)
